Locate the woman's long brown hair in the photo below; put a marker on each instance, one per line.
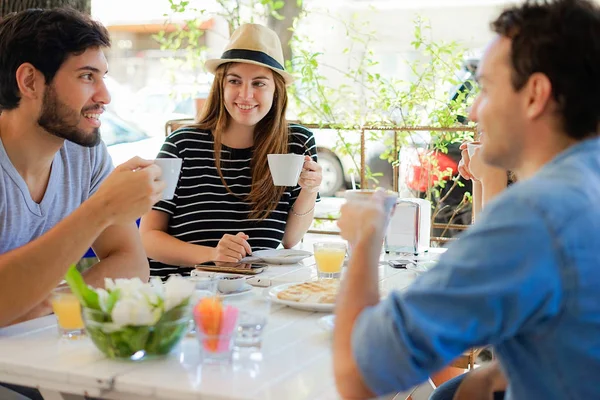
(270, 137)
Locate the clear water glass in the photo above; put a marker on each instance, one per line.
(252, 319)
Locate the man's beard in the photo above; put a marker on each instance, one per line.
(60, 120)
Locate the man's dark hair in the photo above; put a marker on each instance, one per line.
(44, 38)
(561, 39)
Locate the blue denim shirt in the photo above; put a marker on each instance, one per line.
(525, 279)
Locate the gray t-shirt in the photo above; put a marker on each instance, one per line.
(76, 174)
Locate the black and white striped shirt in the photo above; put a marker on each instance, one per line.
(202, 210)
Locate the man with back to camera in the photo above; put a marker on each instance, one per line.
(58, 195)
(525, 277)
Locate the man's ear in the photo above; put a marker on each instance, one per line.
(30, 81)
(539, 94)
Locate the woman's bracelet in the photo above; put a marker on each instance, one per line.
(302, 215)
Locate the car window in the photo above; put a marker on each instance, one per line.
(155, 103)
(185, 106)
(115, 130)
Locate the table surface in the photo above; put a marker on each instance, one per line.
(295, 362)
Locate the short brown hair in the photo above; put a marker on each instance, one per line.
(561, 39)
(44, 38)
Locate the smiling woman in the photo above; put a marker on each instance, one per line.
(226, 204)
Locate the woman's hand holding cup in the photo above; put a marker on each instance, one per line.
(311, 175)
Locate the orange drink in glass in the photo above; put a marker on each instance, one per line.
(67, 309)
(330, 258)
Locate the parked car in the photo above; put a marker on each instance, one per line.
(125, 140)
(155, 105)
(340, 169)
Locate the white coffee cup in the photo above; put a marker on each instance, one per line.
(472, 146)
(285, 168)
(170, 174)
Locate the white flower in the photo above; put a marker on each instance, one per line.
(177, 289)
(151, 296)
(130, 288)
(109, 284)
(130, 311)
(158, 287)
(141, 303)
(102, 299)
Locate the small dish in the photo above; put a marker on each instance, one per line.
(246, 288)
(281, 256)
(230, 284)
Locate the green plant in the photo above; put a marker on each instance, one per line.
(367, 98)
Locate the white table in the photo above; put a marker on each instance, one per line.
(296, 358)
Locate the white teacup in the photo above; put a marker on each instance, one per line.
(472, 146)
(285, 168)
(170, 174)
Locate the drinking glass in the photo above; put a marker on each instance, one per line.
(206, 286)
(216, 349)
(330, 258)
(216, 328)
(67, 309)
(252, 319)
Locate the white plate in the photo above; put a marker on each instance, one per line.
(319, 307)
(243, 290)
(280, 256)
(327, 323)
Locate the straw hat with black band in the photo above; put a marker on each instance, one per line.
(253, 44)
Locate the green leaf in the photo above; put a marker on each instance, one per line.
(112, 300)
(136, 337)
(86, 296)
(277, 16)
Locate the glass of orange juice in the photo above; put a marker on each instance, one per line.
(67, 309)
(330, 258)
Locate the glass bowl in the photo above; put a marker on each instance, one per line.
(137, 342)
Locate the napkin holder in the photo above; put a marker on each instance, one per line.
(409, 230)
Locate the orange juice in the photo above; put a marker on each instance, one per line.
(67, 309)
(330, 260)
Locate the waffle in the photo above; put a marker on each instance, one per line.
(323, 292)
